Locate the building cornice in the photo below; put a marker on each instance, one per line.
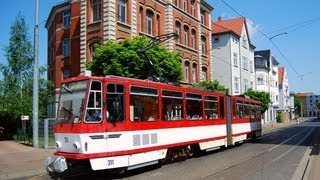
(56, 9)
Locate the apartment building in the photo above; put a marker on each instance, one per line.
(312, 100)
(266, 67)
(75, 26)
(233, 55)
(285, 102)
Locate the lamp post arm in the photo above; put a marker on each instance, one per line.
(278, 35)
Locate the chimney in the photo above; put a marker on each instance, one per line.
(219, 19)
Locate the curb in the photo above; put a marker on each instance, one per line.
(303, 169)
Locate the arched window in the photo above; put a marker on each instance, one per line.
(149, 16)
(186, 71)
(203, 74)
(203, 45)
(92, 47)
(194, 73)
(178, 26)
(96, 10)
(193, 9)
(193, 39)
(185, 35)
(158, 24)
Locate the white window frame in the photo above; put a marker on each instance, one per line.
(185, 5)
(185, 33)
(66, 18)
(193, 39)
(204, 75)
(236, 84)
(149, 16)
(203, 45)
(96, 10)
(245, 63)
(122, 11)
(251, 66)
(192, 8)
(66, 47)
(202, 17)
(260, 80)
(186, 74)
(235, 59)
(245, 85)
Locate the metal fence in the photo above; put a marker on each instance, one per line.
(45, 132)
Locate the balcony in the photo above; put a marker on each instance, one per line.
(261, 63)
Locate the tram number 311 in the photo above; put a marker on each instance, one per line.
(110, 162)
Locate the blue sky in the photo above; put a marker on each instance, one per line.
(299, 45)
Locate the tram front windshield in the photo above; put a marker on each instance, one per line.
(71, 102)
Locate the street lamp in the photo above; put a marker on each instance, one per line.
(277, 35)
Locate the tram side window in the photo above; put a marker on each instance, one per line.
(211, 107)
(94, 106)
(144, 105)
(194, 106)
(172, 105)
(115, 103)
(239, 109)
(246, 111)
(258, 111)
(252, 111)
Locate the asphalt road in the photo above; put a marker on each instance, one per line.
(276, 155)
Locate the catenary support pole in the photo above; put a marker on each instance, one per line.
(35, 121)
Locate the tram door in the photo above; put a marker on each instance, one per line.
(229, 123)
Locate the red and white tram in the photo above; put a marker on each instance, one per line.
(115, 122)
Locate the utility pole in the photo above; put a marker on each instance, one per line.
(35, 98)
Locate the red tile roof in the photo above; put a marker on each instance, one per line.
(302, 94)
(280, 75)
(230, 25)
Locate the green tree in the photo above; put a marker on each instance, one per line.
(297, 105)
(261, 96)
(16, 83)
(122, 59)
(318, 105)
(211, 86)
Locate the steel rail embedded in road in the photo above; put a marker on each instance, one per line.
(269, 150)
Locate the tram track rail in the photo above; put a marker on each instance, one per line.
(261, 157)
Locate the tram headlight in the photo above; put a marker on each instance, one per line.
(58, 144)
(76, 145)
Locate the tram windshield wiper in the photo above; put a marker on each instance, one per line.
(66, 88)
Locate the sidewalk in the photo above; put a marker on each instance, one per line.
(17, 160)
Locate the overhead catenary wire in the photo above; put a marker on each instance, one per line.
(280, 52)
(298, 26)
